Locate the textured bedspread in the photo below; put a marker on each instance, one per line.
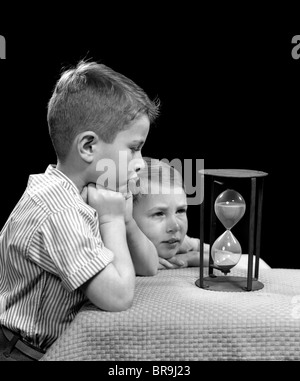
(172, 319)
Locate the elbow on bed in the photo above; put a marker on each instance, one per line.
(148, 271)
(121, 305)
(116, 298)
(117, 303)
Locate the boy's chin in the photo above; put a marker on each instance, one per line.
(167, 254)
(131, 186)
(116, 188)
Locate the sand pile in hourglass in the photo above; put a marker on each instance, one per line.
(226, 250)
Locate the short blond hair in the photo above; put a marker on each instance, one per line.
(92, 96)
(157, 173)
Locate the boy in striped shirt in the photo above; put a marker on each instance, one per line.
(69, 240)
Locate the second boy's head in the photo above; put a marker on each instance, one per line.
(160, 207)
(94, 114)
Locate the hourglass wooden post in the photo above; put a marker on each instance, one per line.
(229, 208)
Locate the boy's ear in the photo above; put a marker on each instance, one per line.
(86, 142)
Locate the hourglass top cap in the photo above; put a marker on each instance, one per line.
(241, 173)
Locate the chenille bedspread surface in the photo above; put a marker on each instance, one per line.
(172, 319)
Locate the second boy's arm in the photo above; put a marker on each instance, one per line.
(142, 250)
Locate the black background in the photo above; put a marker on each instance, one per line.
(229, 91)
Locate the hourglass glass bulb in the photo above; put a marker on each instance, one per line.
(226, 252)
(230, 208)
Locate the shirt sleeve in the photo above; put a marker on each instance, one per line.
(69, 244)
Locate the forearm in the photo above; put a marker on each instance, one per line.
(193, 258)
(142, 250)
(112, 289)
(114, 238)
(187, 259)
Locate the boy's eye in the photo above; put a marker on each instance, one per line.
(136, 148)
(158, 214)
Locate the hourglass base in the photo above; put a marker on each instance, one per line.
(229, 284)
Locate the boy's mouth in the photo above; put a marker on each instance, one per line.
(171, 241)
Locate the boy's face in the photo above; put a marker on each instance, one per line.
(119, 161)
(163, 219)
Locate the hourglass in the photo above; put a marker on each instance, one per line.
(226, 250)
(229, 207)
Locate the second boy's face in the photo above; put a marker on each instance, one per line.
(162, 218)
(118, 162)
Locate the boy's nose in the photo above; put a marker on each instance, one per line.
(138, 164)
(173, 226)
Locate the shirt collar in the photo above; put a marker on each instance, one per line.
(53, 171)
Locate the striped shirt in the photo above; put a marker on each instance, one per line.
(49, 246)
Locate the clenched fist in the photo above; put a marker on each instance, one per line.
(109, 204)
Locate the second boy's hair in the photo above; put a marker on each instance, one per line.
(94, 97)
(157, 174)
